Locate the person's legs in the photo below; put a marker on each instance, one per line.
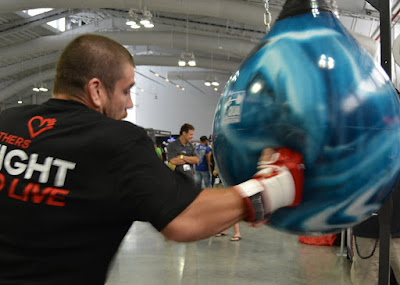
(365, 271)
(236, 234)
(197, 179)
(206, 178)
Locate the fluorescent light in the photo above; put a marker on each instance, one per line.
(215, 83)
(149, 25)
(35, 89)
(181, 62)
(135, 26)
(131, 22)
(207, 83)
(192, 62)
(144, 21)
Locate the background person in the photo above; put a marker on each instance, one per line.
(182, 153)
(203, 168)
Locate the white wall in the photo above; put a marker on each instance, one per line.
(165, 107)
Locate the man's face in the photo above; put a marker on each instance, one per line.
(188, 136)
(120, 100)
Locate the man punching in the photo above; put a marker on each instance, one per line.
(68, 197)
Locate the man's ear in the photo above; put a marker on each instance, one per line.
(96, 90)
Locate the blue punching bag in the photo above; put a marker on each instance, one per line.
(310, 87)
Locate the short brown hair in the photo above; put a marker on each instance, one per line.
(86, 57)
(186, 128)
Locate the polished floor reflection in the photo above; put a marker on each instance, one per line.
(263, 256)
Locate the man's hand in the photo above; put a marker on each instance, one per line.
(278, 183)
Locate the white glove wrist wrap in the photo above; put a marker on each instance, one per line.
(276, 191)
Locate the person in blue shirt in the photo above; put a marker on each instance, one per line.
(203, 168)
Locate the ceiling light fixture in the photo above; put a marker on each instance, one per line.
(211, 81)
(192, 61)
(149, 25)
(43, 87)
(133, 20)
(40, 87)
(187, 58)
(146, 20)
(182, 61)
(215, 82)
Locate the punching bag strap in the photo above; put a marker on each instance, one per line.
(297, 7)
(267, 16)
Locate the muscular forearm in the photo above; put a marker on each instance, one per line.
(214, 210)
(191, 159)
(177, 160)
(183, 159)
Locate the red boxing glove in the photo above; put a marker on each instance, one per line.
(278, 183)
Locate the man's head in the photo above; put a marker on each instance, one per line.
(97, 71)
(187, 132)
(204, 140)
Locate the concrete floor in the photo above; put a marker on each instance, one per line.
(264, 256)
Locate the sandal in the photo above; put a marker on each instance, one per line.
(221, 234)
(236, 238)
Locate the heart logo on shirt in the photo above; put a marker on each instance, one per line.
(38, 125)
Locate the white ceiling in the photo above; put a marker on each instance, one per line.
(219, 32)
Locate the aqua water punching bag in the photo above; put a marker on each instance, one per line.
(309, 86)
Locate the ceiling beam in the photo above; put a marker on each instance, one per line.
(29, 22)
(16, 68)
(15, 88)
(216, 45)
(237, 11)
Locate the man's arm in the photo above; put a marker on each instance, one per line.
(208, 156)
(278, 184)
(191, 159)
(178, 160)
(214, 210)
(172, 154)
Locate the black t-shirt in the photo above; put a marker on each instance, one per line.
(72, 181)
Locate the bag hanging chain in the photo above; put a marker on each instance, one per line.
(267, 16)
(367, 256)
